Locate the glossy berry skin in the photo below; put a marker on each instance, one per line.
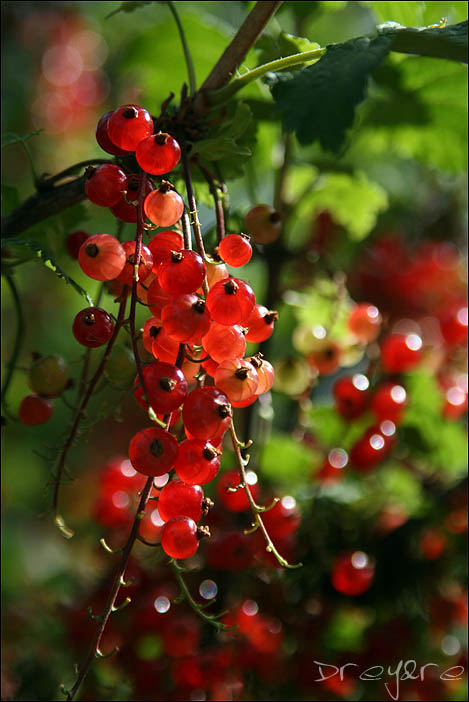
(102, 257)
(260, 324)
(104, 185)
(389, 402)
(365, 322)
(177, 499)
(179, 537)
(153, 451)
(157, 298)
(222, 342)
(93, 327)
(237, 378)
(35, 410)
(102, 137)
(400, 352)
(150, 331)
(162, 244)
(185, 319)
(49, 376)
(351, 395)
(370, 450)
(454, 327)
(198, 462)
(166, 386)
(234, 501)
(265, 373)
(181, 272)
(231, 301)
(352, 573)
(74, 242)
(164, 347)
(206, 412)
(164, 207)
(264, 224)
(126, 208)
(235, 249)
(144, 269)
(158, 153)
(128, 125)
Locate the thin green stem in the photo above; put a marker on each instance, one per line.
(218, 97)
(185, 47)
(10, 366)
(185, 593)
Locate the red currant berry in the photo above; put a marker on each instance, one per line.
(260, 324)
(236, 500)
(365, 322)
(400, 352)
(93, 327)
(331, 469)
(351, 395)
(158, 154)
(237, 378)
(235, 249)
(455, 396)
(35, 410)
(206, 412)
(215, 272)
(283, 519)
(104, 185)
(157, 298)
(166, 386)
(264, 224)
(353, 573)
(49, 376)
(185, 319)
(181, 272)
(222, 342)
(153, 451)
(102, 257)
(389, 402)
(325, 359)
(150, 331)
(372, 448)
(454, 327)
(102, 137)
(145, 265)
(210, 366)
(198, 462)
(245, 403)
(231, 301)
(74, 242)
(164, 207)
(177, 499)
(126, 208)
(265, 372)
(179, 537)
(164, 347)
(162, 244)
(128, 125)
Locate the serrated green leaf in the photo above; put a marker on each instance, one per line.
(9, 138)
(285, 460)
(47, 258)
(319, 102)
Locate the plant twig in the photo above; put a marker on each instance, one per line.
(194, 216)
(211, 619)
(19, 336)
(185, 48)
(217, 201)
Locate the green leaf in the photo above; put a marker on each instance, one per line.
(328, 426)
(285, 460)
(449, 42)
(271, 48)
(319, 102)
(47, 258)
(219, 148)
(9, 138)
(414, 14)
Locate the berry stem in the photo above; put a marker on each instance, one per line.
(186, 595)
(255, 508)
(193, 210)
(19, 336)
(185, 48)
(218, 201)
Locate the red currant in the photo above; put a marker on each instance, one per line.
(181, 272)
(235, 249)
(164, 347)
(185, 318)
(265, 372)
(164, 207)
(353, 573)
(157, 298)
(454, 326)
(260, 324)
(166, 386)
(400, 352)
(104, 185)
(198, 462)
(177, 499)
(162, 244)
(222, 342)
(325, 358)
(93, 327)
(283, 519)
(179, 537)
(351, 395)
(35, 410)
(372, 448)
(145, 265)
(158, 154)
(331, 469)
(74, 242)
(126, 208)
(206, 412)
(365, 322)
(231, 301)
(128, 125)
(49, 376)
(102, 257)
(264, 224)
(235, 500)
(237, 378)
(389, 402)
(153, 451)
(102, 137)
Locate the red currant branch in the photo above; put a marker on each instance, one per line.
(44, 182)
(217, 200)
(61, 460)
(11, 365)
(211, 619)
(193, 209)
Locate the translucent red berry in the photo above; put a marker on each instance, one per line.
(102, 137)
(177, 499)
(235, 249)
(145, 265)
(265, 373)
(237, 378)
(401, 352)
(365, 322)
(454, 326)
(93, 327)
(164, 347)
(74, 242)
(222, 342)
(206, 412)
(351, 395)
(179, 537)
(157, 298)
(198, 462)
(49, 375)
(104, 185)
(35, 410)
(353, 573)
(260, 324)
(264, 224)
(164, 207)
(185, 318)
(153, 451)
(181, 272)
(165, 385)
(158, 154)
(236, 500)
(389, 402)
(102, 257)
(162, 244)
(373, 447)
(126, 208)
(128, 125)
(231, 301)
